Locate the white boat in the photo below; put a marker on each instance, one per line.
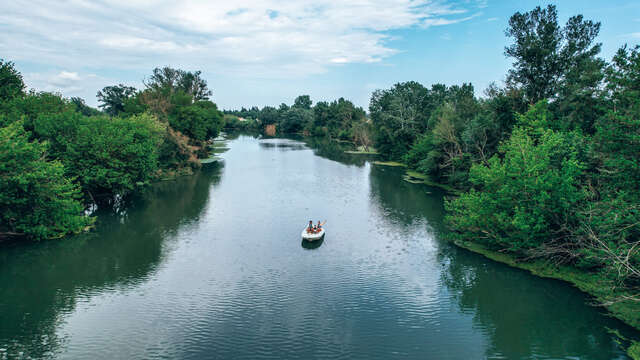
(312, 236)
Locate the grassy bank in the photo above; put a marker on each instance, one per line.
(590, 283)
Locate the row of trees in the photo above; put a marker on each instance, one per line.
(59, 155)
(339, 119)
(549, 164)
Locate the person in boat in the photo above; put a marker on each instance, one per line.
(310, 228)
(320, 225)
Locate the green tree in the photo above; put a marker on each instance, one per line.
(11, 84)
(36, 199)
(112, 98)
(200, 121)
(168, 80)
(303, 102)
(547, 55)
(83, 108)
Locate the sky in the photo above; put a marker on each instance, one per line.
(268, 52)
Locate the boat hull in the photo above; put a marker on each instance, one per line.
(312, 236)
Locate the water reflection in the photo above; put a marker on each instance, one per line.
(525, 316)
(40, 283)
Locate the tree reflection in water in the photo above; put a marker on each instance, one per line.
(126, 247)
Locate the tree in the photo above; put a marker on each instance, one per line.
(303, 102)
(546, 55)
(83, 108)
(623, 80)
(168, 81)
(11, 84)
(200, 121)
(113, 98)
(36, 199)
(395, 115)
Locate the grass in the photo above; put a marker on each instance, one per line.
(634, 350)
(415, 177)
(389, 163)
(590, 283)
(360, 150)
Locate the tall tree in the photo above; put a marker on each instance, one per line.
(168, 81)
(546, 54)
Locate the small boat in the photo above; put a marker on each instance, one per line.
(311, 236)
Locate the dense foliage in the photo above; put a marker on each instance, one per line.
(59, 155)
(339, 119)
(36, 199)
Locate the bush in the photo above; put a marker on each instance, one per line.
(105, 155)
(36, 199)
(527, 198)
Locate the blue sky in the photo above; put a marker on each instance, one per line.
(268, 52)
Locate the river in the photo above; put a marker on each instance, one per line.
(213, 266)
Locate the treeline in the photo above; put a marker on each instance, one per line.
(58, 155)
(339, 119)
(549, 164)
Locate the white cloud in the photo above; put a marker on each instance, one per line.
(492, 19)
(635, 35)
(266, 38)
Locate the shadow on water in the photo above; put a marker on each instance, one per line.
(525, 316)
(125, 248)
(404, 202)
(311, 245)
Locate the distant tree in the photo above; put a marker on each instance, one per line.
(112, 98)
(193, 84)
(83, 108)
(303, 102)
(167, 80)
(11, 84)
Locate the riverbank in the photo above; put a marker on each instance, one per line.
(591, 284)
(415, 177)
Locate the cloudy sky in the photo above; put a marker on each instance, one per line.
(267, 52)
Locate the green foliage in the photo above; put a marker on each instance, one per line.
(200, 121)
(36, 199)
(527, 197)
(11, 84)
(83, 108)
(113, 98)
(168, 80)
(105, 155)
(548, 56)
(335, 119)
(303, 102)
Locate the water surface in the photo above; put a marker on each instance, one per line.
(212, 266)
